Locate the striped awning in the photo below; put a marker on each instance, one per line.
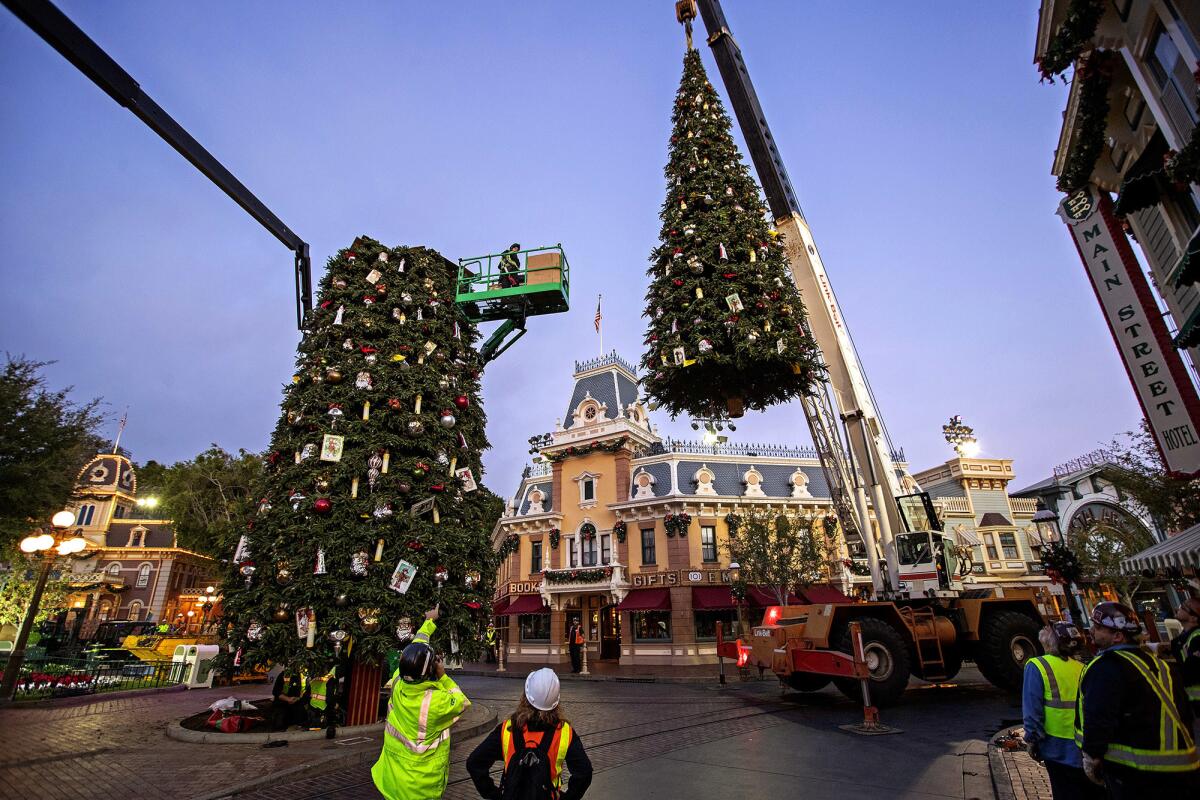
(1181, 550)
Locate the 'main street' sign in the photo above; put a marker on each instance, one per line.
(1163, 387)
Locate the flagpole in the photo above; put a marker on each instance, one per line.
(600, 323)
(120, 430)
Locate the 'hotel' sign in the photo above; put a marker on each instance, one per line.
(1155, 369)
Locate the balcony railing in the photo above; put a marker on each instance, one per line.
(1023, 505)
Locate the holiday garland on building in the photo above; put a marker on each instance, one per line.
(727, 326)
(1091, 120)
(578, 575)
(677, 524)
(370, 511)
(1071, 38)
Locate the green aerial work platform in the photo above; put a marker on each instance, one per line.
(512, 286)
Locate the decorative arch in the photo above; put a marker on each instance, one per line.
(590, 411)
(536, 498)
(143, 573)
(135, 610)
(704, 478)
(799, 482)
(643, 484)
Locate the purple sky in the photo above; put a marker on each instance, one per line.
(919, 144)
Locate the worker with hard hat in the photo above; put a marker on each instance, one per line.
(1048, 705)
(510, 267)
(534, 744)
(1132, 720)
(415, 761)
(489, 642)
(1186, 648)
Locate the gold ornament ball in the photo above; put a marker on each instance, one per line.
(334, 375)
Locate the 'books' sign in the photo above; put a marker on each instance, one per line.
(1163, 387)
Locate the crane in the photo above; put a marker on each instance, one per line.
(861, 470)
(921, 622)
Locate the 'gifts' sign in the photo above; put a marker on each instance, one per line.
(1163, 388)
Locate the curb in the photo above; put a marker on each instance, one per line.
(181, 734)
(335, 761)
(88, 699)
(1002, 784)
(977, 771)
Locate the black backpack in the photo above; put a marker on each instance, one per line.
(528, 774)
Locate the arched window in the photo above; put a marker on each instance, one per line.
(143, 575)
(84, 515)
(114, 568)
(135, 610)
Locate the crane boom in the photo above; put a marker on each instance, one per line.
(865, 467)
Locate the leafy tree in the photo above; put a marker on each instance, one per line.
(16, 587)
(726, 324)
(779, 550)
(207, 498)
(1138, 472)
(1101, 545)
(45, 439)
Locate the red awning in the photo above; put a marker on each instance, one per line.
(646, 600)
(706, 598)
(524, 604)
(818, 595)
(499, 606)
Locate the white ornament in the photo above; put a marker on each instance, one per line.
(363, 381)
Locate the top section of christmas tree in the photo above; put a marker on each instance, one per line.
(726, 328)
(370, 511)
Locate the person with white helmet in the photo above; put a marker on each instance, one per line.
(533, 745)
(1132, 719)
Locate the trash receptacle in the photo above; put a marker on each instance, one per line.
(179, 665)
(198, 664)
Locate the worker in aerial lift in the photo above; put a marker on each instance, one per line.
(1048, 707)
(1132, 720)
(510, 267)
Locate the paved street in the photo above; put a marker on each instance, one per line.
(701, 741)
(645, 740)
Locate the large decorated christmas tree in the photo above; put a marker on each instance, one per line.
(371, 509)
(726, 328)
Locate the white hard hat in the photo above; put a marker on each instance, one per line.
(541, 689)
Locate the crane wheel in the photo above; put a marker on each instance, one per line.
(1007, 640)
(887, 658)
(807, 681)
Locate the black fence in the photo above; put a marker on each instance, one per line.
(49, 677)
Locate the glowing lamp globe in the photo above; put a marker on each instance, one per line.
(62, 519)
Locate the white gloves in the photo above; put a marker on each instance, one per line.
(1094, 769)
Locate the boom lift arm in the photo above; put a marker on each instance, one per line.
(868, 448)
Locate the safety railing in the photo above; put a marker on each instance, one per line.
(49, 677)
(482, 275)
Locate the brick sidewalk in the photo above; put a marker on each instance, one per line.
(1015, 775)
(117, 747)
(609, 671)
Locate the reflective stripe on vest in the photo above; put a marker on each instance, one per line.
(1176, 751)
(1060, 688)
(557, 753)
(420, 745)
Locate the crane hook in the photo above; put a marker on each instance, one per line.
(685, 12)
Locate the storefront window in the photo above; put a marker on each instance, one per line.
(706, 623)
(651, 626)
(534, 627)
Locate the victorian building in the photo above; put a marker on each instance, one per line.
(133, 568)
(625, 532)
(1129, 130)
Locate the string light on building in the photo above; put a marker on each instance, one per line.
(961, 437)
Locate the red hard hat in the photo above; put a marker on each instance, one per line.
(1117, 617)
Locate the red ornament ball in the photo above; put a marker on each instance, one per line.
(462, 401)
(322, 506)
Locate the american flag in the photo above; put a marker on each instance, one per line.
(598, 316)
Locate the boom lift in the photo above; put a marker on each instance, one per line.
(921, 621)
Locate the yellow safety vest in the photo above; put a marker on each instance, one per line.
(557, 752)
(1193, 690)
(1176, 751)
(1060, 688)
(319, 698)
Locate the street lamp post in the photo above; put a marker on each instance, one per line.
(735, 574)
(1046, 522)
(206, 603)
(38, 544)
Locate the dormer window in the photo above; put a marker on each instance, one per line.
(137, 537)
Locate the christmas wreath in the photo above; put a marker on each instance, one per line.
(587, 532)
(509, 545)
(733, 522)
(619, 531)
(677, 524)
(555, 536)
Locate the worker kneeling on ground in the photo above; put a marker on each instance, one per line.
(1048, 707)
(425, 702)
(1132, 719)
(533, 744)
